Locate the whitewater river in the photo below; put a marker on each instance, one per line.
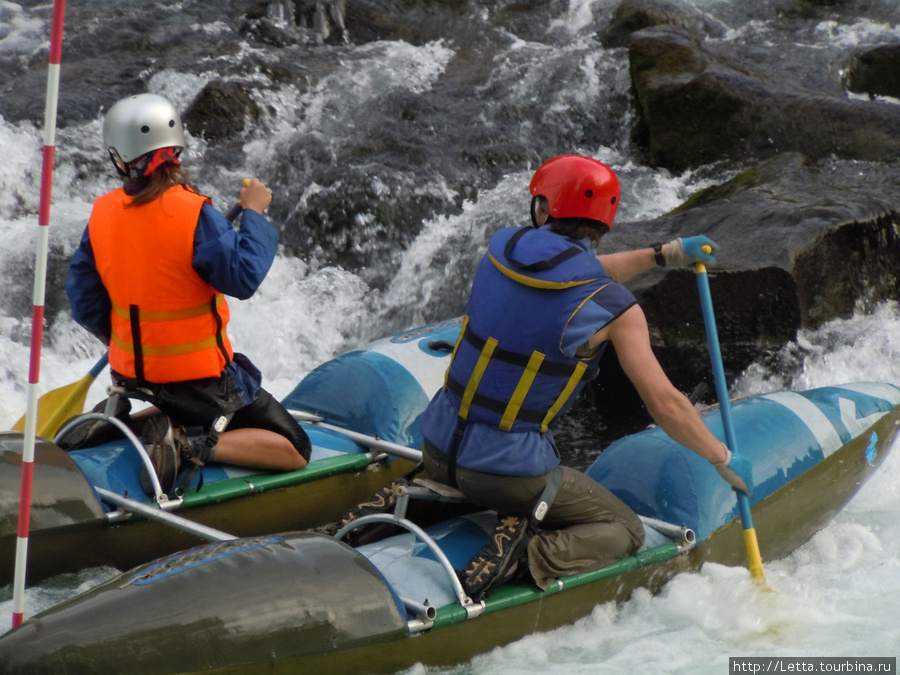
(838, 595)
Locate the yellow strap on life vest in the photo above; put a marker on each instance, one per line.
(462, 334)
(536, 283)
(475, 379)
(521, 391)
(167, 350)
(169, 315)
(575, 378)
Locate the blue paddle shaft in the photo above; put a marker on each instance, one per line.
(715, 355)
(100, 365)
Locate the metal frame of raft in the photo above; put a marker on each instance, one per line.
(108, 417)
(426, 617)
(241, 486)
(681, 539)
(348, 462)
(312, 603)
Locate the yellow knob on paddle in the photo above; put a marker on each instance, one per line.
(237, 208)
(246, 183)
(699, 266)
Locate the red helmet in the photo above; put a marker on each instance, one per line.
(577, 187)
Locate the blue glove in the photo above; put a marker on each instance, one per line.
(684, 252)
(737, 471)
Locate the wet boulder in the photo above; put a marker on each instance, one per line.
(221, 110)
(832, 225)
(282, 24)
(702, 102)
(876, 72)
(801, 242)
(633, 15)
(288, 22)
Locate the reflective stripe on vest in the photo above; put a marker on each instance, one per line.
(134, 313)
(508, 369)
(513, 410)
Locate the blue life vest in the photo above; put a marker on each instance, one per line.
(537, 296)
(509, 369)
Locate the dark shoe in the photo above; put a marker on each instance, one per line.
(164, 442)
(197, 446)
(382, 501)
(498, 560)
(94, 432)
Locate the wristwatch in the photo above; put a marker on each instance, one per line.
(658, 254)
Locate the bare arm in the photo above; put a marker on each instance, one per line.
(669, 407)
(679, 252)
(624, 265)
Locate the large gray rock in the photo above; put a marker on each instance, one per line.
(831, 225)
(801, 243)
(221, 110)
(876, 71)
(634, 15)
(702, 102)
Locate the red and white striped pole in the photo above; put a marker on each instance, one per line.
(37, 314)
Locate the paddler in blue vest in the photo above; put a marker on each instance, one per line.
(542, 308)
(149, 279)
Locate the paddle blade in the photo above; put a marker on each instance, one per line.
(753, 556)
(58, 405)
(754, 559)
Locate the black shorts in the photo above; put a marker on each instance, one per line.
(201, 402)
(193, 402)
(267, 413)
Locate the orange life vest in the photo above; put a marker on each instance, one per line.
(168, 325)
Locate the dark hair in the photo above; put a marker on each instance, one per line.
(579, 228)
(145, 189)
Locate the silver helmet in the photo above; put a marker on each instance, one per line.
(140, 124)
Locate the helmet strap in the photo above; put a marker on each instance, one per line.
(118, 162)
(160, 157)
(534, 201)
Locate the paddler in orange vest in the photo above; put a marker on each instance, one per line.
(150, 279)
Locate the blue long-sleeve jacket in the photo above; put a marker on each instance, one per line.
(234, 262)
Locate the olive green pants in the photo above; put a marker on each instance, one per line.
(586, 528)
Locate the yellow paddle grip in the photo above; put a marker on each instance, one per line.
(699, 266)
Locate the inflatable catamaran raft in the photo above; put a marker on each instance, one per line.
(306, 602)
(359, 410)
